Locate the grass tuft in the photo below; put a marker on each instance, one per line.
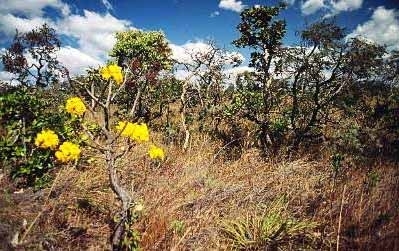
(274, 229)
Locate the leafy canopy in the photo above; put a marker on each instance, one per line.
(148, 48)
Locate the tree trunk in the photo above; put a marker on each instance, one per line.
(136, 102)
(183, 117)
(125, 198)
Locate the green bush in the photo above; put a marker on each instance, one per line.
(23, 114)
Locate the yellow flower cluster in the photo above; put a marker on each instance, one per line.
(75, 106)
(68, 151)
(112, 71)
(47, 139)
(139, 133)
(135, 131)
(156, 152)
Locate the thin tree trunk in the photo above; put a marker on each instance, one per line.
(183, 117)
(123, 195)
(93, 102)
(136, 102)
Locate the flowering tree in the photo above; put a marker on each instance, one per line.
(108, 138)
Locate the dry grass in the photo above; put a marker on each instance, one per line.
(74, 216)
(187, 198)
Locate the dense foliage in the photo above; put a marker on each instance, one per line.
(22, 117)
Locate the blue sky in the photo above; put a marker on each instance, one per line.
(184, 20)
(87, 27)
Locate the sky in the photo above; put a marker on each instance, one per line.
(87, 27)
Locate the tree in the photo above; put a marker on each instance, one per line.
(319, 71)
(315, 73)
(113, 144)
(262, 32)
(203, 87)
(211, 81)
(372, 98)
(296, 88)
(31, 56)
(145, 55)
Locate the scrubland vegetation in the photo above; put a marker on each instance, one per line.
(299, 154)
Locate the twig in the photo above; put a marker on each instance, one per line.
(92, 96)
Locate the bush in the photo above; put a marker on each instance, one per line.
(23, 114)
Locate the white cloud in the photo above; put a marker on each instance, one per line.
(95, 32)
(382, 28)
(181, 53)
(346, 5)
(334, 7)
(181, 74)
(9, 23)
(75, 60)
(25, 15)
(311, 6)
(107, 5)
(232, 73)
(233, 5)
(215, 13)
(93, 37)
(7, 77)
(32, 8)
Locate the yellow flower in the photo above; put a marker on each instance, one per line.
(140, 133)
(105, 74)
(47, 139)
(156, 152)
(75, 106)
(127, 128)
(112, 71)
(116, 73)
(135, 131)
(68, 151)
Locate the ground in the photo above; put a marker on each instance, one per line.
(194, 198)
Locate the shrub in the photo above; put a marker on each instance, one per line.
(22, 117)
